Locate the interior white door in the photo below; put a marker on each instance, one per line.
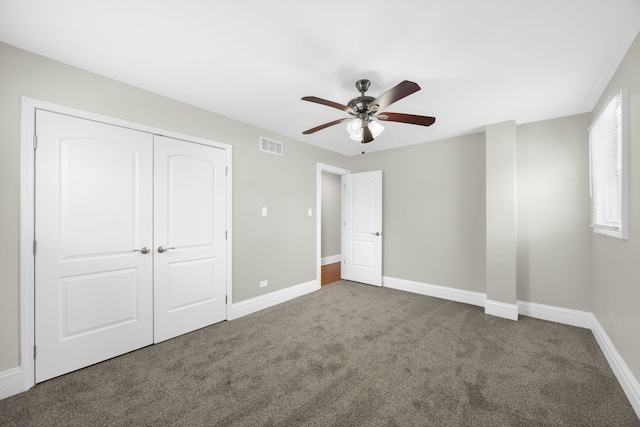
(190, 247)
(93, 291)
(362, 224)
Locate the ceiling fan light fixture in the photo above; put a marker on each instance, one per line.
(375, 128)
(354, 126)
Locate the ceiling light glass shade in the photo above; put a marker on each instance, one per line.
(354, 126)
(356, 136)
(375, 128)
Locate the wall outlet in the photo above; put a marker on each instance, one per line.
(264, 283)
(310, 212)
(264, 211)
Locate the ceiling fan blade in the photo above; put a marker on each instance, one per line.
(327, 103)
(394, 94)
(407, 118)
(367, 136)
(326, 125)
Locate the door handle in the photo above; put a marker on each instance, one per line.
(162, 249)
(144, 250)
(377, 233)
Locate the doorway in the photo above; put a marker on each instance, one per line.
(331, 236)
(327, 258)
(360, 225)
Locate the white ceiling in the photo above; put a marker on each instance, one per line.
(478, 62)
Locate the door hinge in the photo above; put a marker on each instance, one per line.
(226, 299)
(226, 170)
(225, 234)
(34, 352)
(35, 141)
(35, 246)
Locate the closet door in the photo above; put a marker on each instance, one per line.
(189, 229)
(93, 291)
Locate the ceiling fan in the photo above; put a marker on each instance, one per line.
(366, 110)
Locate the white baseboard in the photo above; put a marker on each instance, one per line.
(331, 259)
(443, 292)
(11, 382)
(501, 309)
(252, 305)
(565, 316)
(622, 372)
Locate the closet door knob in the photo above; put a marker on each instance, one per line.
(162, 249)
(144, 250)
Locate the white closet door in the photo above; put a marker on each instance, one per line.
(93, 293)
(189, 229)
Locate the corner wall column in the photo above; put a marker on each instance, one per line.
(501, 220)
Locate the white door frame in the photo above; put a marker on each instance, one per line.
(321, 167)
(27, 217)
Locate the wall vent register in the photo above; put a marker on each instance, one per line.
(271, 146)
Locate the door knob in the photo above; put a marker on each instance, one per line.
(144, 250)
(377, 233)
(162, 249)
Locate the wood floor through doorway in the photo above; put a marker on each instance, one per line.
(330, 273)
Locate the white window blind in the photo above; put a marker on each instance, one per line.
(607, 161)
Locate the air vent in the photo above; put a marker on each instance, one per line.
(271, 146)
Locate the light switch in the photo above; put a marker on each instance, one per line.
(264, 211)
(310, 212)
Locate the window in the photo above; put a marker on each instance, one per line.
(607, 162)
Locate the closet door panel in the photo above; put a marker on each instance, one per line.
(93, 293)
(189, 230)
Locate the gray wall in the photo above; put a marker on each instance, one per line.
(434, 212)
(553, 208)
(615, 264)
(501, 237)
(433, 218)
(263, 247)
(331, 212)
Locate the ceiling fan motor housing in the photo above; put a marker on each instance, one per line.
(363, 85)
(360, 104)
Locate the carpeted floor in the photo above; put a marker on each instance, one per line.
(347, 355)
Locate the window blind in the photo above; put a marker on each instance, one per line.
(606, 161)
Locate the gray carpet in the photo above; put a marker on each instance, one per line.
(347, 355)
